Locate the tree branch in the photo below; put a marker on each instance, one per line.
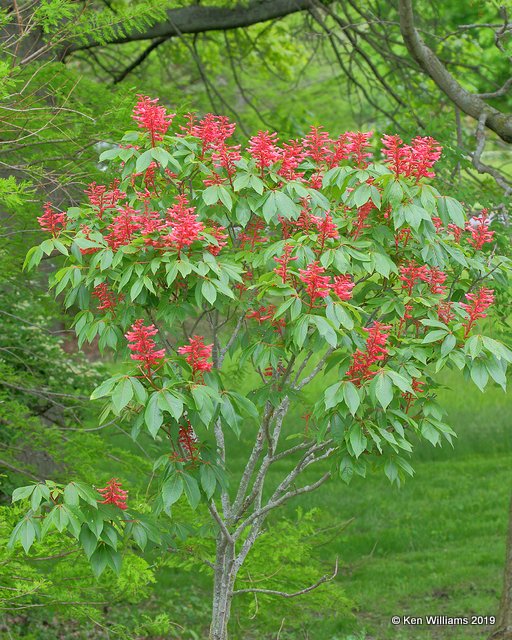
(283, 594)
(469, 103)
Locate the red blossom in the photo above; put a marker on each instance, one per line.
(292, 154)
(152, 117)
(341, 150)
(327, 229)
(224, 157)
(455, 231)
(108, 299)
(197, 354)
(438, 223)
(444, 311)
(410, 274)
(416, 159)
(362, 215)
(343, 286)
(252, 234)
(142, 345)
(317, 285)
(217, 231)
(263, 148)
(306, 219)
(358, 144)
(435, 278)
(123, 227)
(477, 306)
(284, 261)
(183, 223)
(212, 130)
(52, 221)
(376, 351)
(114, 494)
(104, 198)
(188, 442)
(478, 227)
(317, 145)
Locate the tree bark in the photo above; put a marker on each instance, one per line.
(503, 629)
(224, 582)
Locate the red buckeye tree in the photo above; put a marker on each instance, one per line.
(288, 260)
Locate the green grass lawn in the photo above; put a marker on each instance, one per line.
(436, 545)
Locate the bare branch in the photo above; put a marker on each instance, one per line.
(283, 594)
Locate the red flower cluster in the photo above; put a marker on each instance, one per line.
(478, 227)
(265, 314)
(327, 229)
(263, 148)
(152, 117)
(410, 274)
(52, 221)
(188, 442)
(217, 231)
(212, 130)
(317, 285)
(416, 159)
(123, 227)
(343, 286)
(444, 311)
(376, 351)
(102, 198)
(107, 298)
(284, 261)
(252, 234)
(476, 307)
(185, 226)
(143, 346)
(114, 494)
(197, 354)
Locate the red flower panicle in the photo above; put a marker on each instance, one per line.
(317, 285)
(327, 229)
(444, 311)
(108, 299)
(252, 234)
(362, 215)
(435, 278)
(123, 227)
(52, 221)
(292, 154)
(152, 117)
(478, 227)
(358, 145)
(284, 261)
(410, 274)
(477, 306)
(416, 159)
(212, 130)
(113, 494)
(343, 286)
(376, 351)
(318, 145)
(184, 225)
(197, 353)
(263, 148)
(217, 231)
(143, 347)
(102, 198)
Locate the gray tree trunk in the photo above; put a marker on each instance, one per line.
(224, 581)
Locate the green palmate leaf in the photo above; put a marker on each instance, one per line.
(21, 493)
(88, 540)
